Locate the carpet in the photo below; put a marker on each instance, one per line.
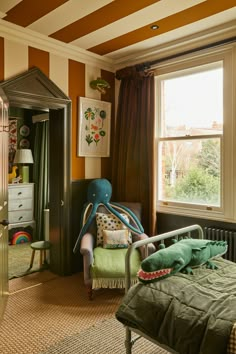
(107, 336)
(30, 281)
(19, 259)
(43, 309)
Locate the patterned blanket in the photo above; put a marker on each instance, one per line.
(192, 314)
(232, 341)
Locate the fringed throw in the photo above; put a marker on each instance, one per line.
(111, 283)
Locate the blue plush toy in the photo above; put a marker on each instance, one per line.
(99, 193)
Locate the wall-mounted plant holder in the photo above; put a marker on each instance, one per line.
(100, 84)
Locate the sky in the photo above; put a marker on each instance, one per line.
(195, 100)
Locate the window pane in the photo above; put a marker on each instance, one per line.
(189, 171)
(193, 104)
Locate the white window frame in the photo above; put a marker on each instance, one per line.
(226, 55)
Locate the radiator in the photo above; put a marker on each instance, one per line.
(212, 233)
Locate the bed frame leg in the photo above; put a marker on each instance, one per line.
(128, 341)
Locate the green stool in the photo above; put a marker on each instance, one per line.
(41, 246)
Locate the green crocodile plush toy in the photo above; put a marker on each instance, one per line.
(180, 256)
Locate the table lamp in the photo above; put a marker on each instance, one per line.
(23, 157)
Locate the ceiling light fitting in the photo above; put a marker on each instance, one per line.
(154, 27)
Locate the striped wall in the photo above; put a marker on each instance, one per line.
(73, 78)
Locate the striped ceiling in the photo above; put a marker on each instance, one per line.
(120, 28)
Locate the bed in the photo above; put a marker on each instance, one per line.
(182, 313)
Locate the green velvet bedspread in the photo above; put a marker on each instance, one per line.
(192, 314)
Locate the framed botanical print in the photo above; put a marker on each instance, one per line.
(94, 122)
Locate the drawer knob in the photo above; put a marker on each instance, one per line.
(21, 217)
(4, 222)
(19, 193)
(20, 205)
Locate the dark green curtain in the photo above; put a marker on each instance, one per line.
(133, 146)
(41, 176)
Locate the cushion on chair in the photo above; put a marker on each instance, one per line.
(109, 222)
(116, 238)
(108, 268)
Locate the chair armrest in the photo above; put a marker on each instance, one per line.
(87, 244)
(86, 249)
(150, 247)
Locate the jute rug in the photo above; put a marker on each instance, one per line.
(44, 309)
(103, 338)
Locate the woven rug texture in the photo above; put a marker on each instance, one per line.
(44, 309)
(105, 337)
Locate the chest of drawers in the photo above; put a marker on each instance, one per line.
(20, 204)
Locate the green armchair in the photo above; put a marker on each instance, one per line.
(104, 264)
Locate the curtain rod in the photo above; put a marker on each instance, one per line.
(148, 65)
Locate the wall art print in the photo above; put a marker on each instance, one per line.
(12, 143)
(94, 128)
(12, 134)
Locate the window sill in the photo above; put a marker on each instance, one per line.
(195, 213)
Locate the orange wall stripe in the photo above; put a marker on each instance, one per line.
(28, 11)
(100, 18)
(188, 16)
(76, 89)
(40, 59)
(1, 59)
(109, 96)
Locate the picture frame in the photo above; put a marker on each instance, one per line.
(94, 124)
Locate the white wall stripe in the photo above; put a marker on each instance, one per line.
(15, 57)
(92, 167)
(92, 164)
(91, 73)
(58, 72)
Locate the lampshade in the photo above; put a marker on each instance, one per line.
(23, 156)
